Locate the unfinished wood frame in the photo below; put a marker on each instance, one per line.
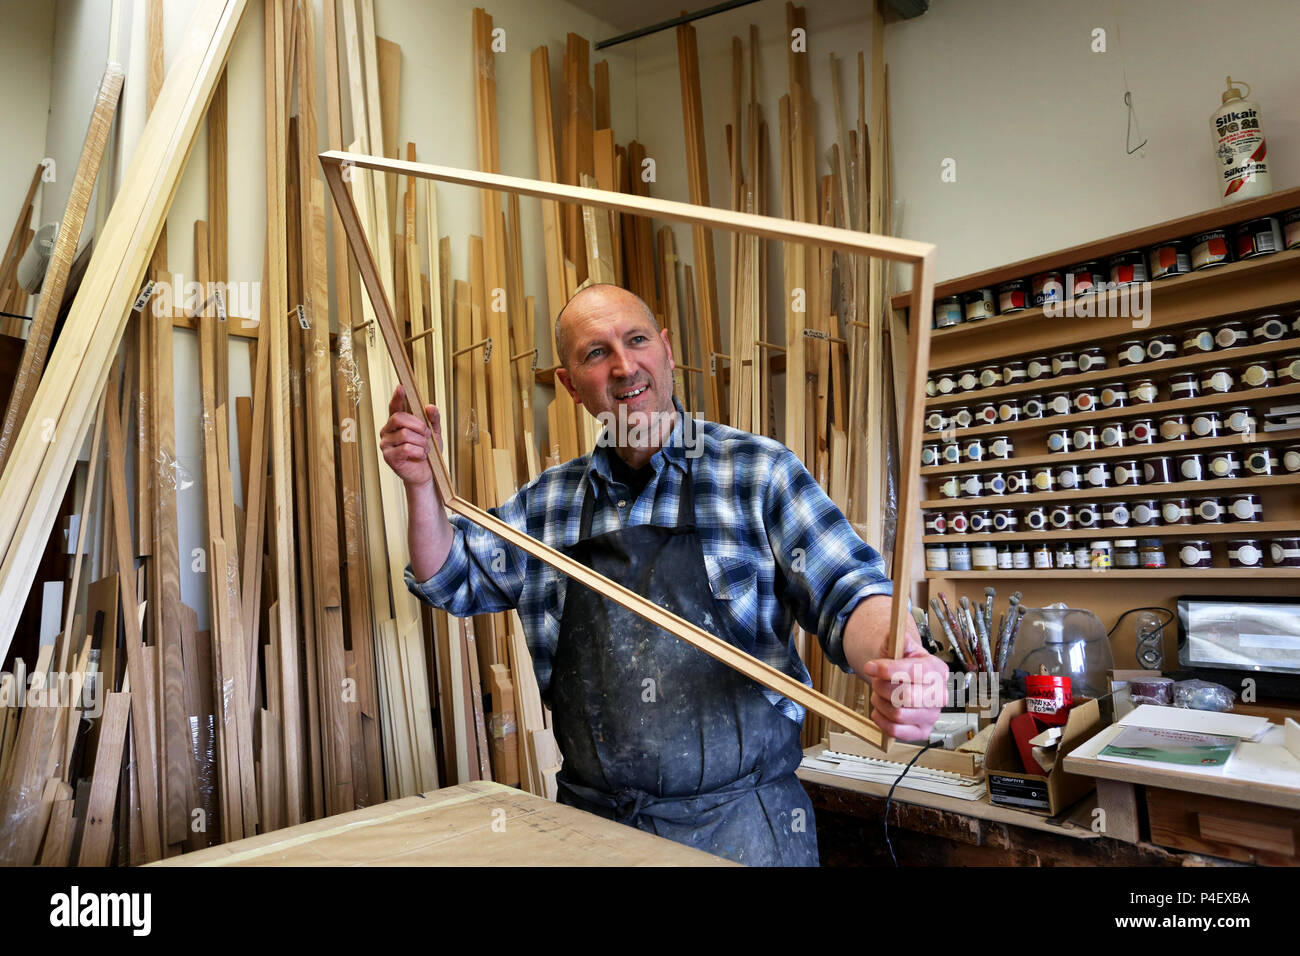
(921, 256)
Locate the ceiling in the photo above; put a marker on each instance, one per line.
(627, 15)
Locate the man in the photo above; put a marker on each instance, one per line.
(724, 528)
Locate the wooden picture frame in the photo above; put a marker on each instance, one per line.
(919, 255)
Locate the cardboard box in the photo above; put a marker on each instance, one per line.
(1048, 794)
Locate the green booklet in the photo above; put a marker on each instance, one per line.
(1170, 746)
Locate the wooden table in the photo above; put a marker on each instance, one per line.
(474, 824)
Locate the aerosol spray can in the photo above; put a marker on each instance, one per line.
(1240, 151)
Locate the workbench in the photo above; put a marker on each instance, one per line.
(473, 824)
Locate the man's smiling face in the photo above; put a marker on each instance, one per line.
(616, 359)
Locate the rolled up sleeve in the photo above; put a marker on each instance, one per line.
(482, 574)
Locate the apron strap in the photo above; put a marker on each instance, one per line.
(685, 503)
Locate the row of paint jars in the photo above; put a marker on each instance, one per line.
(1104, 555)
(1206, 250)
(1092, 515)
(1195, 340)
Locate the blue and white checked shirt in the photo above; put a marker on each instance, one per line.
(776, 548)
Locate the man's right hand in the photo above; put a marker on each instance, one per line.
(405, 439)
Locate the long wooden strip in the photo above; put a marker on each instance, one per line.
(97, 835)
(920, 255)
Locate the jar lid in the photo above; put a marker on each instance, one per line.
(1150, 542)
(1126, 543)
(1097, 545)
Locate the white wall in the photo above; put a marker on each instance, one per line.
(1036, 121)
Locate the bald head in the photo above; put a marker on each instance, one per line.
(600, 297)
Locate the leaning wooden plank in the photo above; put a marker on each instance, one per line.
(97, 835)
(65, 250)
(32, 489)
(544, 129)
(919, 255)
(14, 251)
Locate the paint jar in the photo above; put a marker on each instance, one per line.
(1100, 557)
(1240, 420)
(936, 421)
(978, 304)
(1059, 403)
(1195, 554)
(1268, 328)
(1205, 425)
(961, 416)
(995, 483)
(1114, 395)
(1245, 507)
(1259, 237)
(1001, 447)
(1208, 510)
(1038, 366)
(1084, 278)
(1013, 296)
(1044, 479)
(1126, 553)
(1222, 464)
(1097, 475)
(1112, 435)
(1088, 516)
(1036, 518)
(1184, 385)
(1210, 249)
(971, 485)
(1260, 461)
(1285, 552)
(936, 522)
(1061, 517)
(1132, 352)
(1173, 427)
(1151, 553)
(1047, 287)
(958, 522)
(1291, 458)
(1034, 407)
(1005, 519)
(959, 557)
(1217, 380)
(1115, 514)
(1018, 481)
(948, 312)
(1014, 372)
(946, 383)
(1085, 400)
(1067, 477)
(936, 557)
(1128, 267)
(1128, 472)
(951, 452)
(950, 487)
(1009, 410)
(1063, 556)
(1043, 556)
(931, 387)
(1161, 347)
(1091, 359)
(1004, 557)
(1231, 335)
(1245, 553)
(1190, 468)
(1176, 511)
(1257, 374)
(990, 376)
(1198, 341)
(1143, 392)
(1065, 363)
(968, 380)
(1170, 258)
(1288, 369)
(1158, 471)
(986, 414)
(1082, 556)
(1146, 513)
(972, 450)
(981, 521)
(1142, 431)
(1291, 228)
(1058, 441)
(984, 557)
(1020, 557)
(1084, 438)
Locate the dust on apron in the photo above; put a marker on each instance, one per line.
(655, 733)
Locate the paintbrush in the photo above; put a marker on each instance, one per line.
(952, 638)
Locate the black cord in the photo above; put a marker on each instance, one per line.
(1133, 610)
(890, 798)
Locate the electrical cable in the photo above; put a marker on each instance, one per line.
(890, 798)
(1133, 610)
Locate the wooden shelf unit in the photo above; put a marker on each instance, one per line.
(1238, 291)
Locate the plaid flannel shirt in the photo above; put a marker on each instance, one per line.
(776, 548)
